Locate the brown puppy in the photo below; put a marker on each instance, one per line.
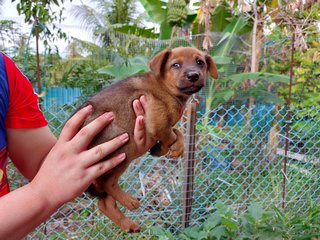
(175, 75)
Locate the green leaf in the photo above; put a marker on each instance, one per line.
(211, 222)
(155, 10)
(218, 232)
(162, 234)
(230, 223)
(222, 59)
(190, 19)
(269, 77)
(270, 236)
(220, 18)
(137, 64)
(165, 30)
(191, 232)
(226, 43)
(202, 235)
(157, 231)
(124, 71)
(256, 211)
(224, 95)
(221, 208)
(133, 29)
(236, 25)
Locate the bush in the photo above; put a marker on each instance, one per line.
(254, 223)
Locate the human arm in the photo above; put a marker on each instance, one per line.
(67, 171)
(24, 209)
(28, 147)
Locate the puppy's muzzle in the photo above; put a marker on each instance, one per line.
(193, 76)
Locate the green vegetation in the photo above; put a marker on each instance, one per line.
(250, 43)
(254, 223)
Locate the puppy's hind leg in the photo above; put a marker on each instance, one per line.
(110, 185)
(109, 207)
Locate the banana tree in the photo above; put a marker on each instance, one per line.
(230, 26)
(229, 88)
(231, 85)
(167, 14)
(234, 83)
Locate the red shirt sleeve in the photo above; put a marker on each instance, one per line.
(24, 111)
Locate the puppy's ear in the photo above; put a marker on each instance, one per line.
(212, 68)
(158, 62)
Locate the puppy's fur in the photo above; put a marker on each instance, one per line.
(175, 75)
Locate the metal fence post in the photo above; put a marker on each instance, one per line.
(189, 161)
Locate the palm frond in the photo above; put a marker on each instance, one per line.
(88, 17)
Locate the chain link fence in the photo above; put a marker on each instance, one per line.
(241, 155)
(237, 161)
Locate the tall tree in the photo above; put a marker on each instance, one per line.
(102, 16)
(46, 14)
(40, 14)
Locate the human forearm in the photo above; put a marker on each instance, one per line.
(23, 210)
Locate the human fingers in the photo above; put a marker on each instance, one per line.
(74, 123)
(143, 101)
(139, 133)
(97, 153)
(137, 107)
(142, 139)
(102, 167)
(82, 139)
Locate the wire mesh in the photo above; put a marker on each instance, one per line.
(237, 161)
(239, 156)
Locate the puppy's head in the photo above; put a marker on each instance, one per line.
(183, 70)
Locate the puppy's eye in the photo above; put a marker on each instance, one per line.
(200, 62)
(176, 65)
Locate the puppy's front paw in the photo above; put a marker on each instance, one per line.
(155, 149)
(158, 150)
(176, 149)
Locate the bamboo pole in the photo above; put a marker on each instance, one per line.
(189, 161)
(37, 54)
(288, 118)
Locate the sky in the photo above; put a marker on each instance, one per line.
(69, 26)
(9, 10)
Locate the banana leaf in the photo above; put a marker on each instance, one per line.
(237, 79)
(135, 65)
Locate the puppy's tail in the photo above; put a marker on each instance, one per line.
(94, 192)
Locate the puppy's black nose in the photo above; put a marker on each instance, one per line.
(193, 76)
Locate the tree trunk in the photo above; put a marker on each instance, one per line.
(257, 35)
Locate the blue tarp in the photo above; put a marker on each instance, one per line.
(60, 96)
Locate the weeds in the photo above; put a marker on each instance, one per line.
(254, 224)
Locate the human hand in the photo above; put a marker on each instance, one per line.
(143, 141)
(70, 167)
